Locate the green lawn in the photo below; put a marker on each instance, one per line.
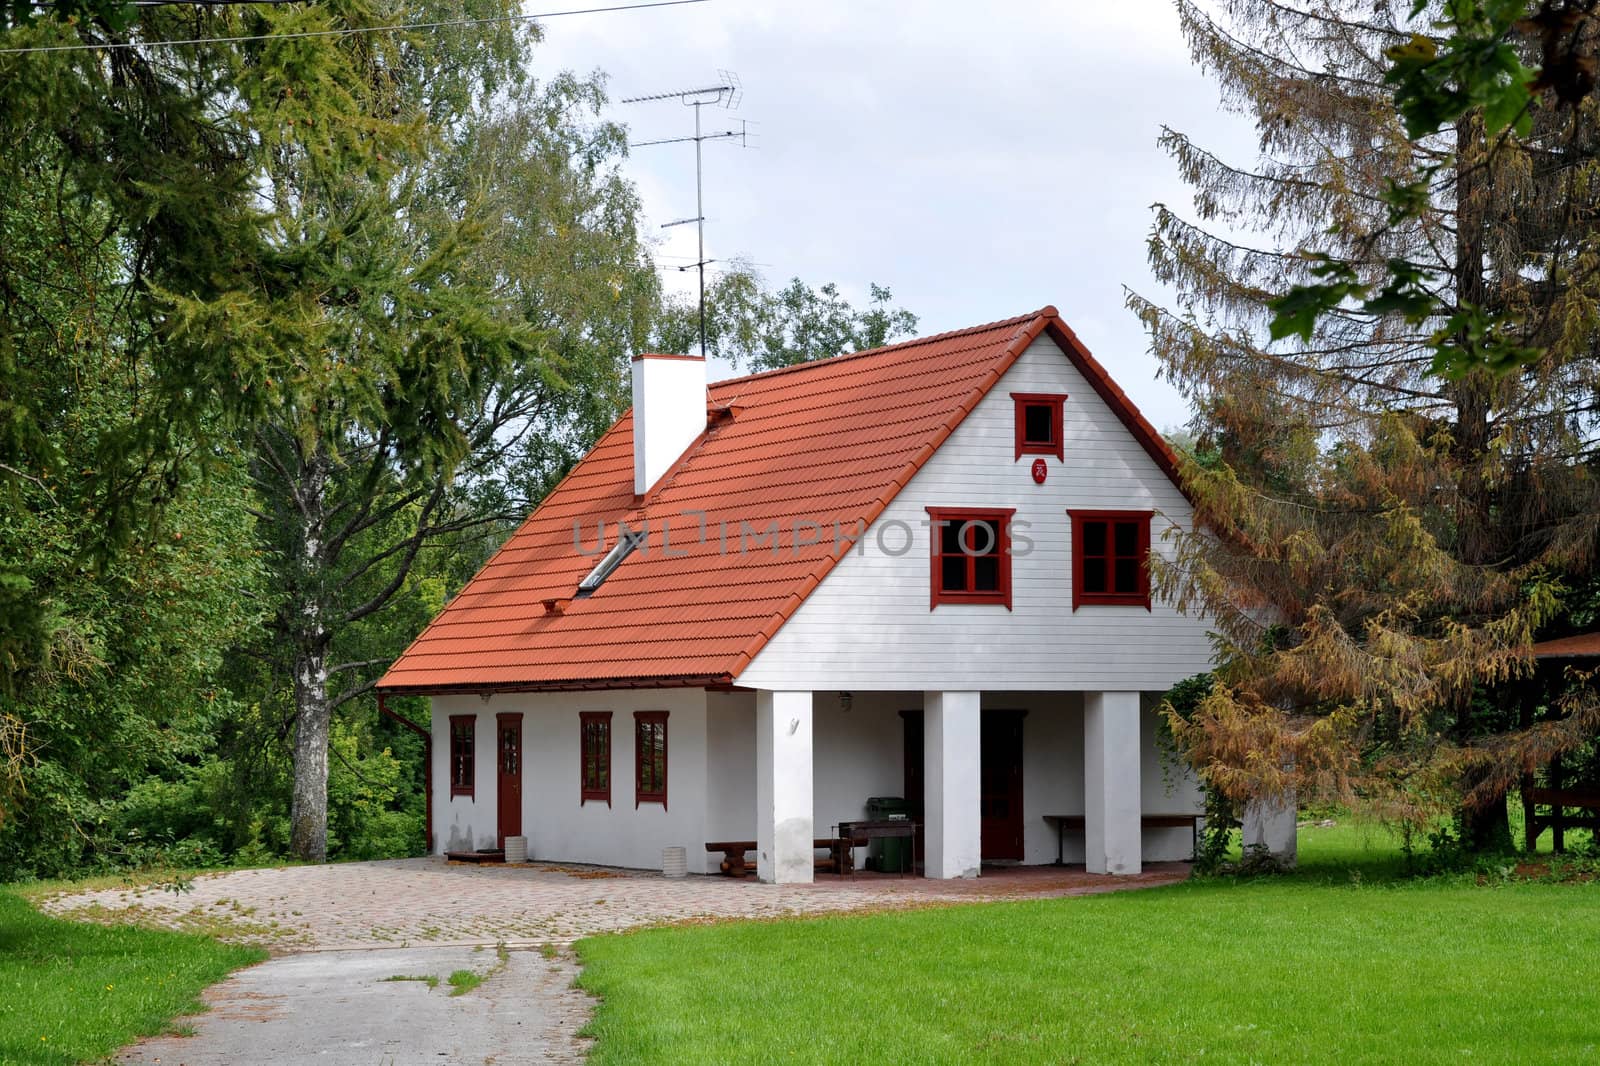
(1343, 962)
(72, 992)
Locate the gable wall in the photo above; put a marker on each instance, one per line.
(868, 625)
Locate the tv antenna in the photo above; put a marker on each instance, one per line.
(726, 93)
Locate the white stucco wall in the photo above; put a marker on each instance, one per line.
(857, 754)
(868, 626)
(557, 825)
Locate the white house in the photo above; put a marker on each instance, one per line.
(916, 571)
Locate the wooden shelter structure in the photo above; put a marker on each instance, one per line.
(1552, 807)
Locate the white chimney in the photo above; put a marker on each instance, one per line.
(669, 413)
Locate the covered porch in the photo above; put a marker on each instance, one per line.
(996, 779)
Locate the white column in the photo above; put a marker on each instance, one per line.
(1270, 824)
(951, 735)
(1111, 782)
(783, 787)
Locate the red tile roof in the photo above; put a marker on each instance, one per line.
(1582, 646)
(830, 441)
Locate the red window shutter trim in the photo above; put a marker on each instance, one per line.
(463, 754)
(588, 790)
(1056, 445)
(940, 517)
(653, 790)
(1081, 597)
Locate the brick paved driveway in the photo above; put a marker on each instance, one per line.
(428, 901)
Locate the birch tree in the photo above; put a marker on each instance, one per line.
(470, 313)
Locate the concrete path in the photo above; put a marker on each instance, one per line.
(338, 931)
(340, 1008)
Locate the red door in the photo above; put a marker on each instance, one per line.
(510, 766)
(914, 762)
(1000, 785)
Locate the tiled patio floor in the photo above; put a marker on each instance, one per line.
(429, 901)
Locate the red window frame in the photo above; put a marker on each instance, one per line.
(651, 788)
(463, 754)
(1081, 596)
(595, 741)
(1056, 445)
(943, 517)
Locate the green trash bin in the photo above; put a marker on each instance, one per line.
(889, 854)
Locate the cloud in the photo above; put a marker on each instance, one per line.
(981, 160)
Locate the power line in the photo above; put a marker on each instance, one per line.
(348, 31)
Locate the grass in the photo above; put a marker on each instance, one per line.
(1344, 961)
(461, 981)
(464, 981)
(74, 992)
(146, 880)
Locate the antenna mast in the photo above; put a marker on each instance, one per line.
(727, 93)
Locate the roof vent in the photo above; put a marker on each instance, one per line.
(623, 548)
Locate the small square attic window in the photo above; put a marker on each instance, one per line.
(1039, 423)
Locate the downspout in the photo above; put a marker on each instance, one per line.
(427, 767)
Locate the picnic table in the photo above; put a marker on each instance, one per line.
(870, 829)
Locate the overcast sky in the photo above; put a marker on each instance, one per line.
(980, 159)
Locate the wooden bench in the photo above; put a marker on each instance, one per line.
(1181, 820)
(840, 858)
(482, 855)
(1558, 821)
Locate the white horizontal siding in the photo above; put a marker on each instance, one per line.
(868, 625)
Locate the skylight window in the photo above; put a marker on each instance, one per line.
(623, 548)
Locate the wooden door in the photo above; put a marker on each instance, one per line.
(509, 762)
(1000, 785)
(914, 763)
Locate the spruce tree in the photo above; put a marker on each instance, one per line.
(1377, 545)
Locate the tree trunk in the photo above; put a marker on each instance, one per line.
(308, 816)
(1471, 395)
(306, 622)
(1487, 830)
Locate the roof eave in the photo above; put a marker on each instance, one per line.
(479, 688)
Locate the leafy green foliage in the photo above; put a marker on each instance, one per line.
(115, 14)
(1469, 337)
(1182, 702)
(762, 328)
(1477, 67)
(1296, 312)
(369, 297)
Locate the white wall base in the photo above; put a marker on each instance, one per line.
(784, 829)
(952, 733)
(1111, 792)
(1270, 824)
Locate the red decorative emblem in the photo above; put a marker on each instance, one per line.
(1039, 471)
